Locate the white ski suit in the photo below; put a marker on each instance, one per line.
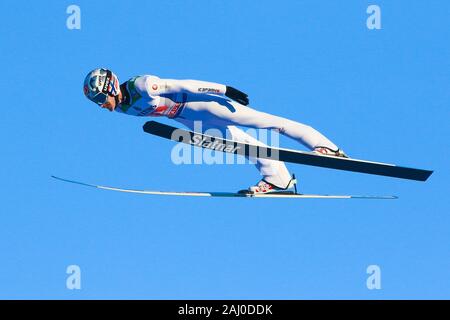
(187, 101)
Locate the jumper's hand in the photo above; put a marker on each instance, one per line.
(237, 95)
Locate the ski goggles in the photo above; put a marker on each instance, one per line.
(100, 98)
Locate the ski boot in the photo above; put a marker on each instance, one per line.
(324, 151)
(264, 187)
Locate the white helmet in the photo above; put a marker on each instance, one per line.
(99, 84)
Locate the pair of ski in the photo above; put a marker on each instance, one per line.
(281, 154)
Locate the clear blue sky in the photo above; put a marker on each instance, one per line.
(382, 95)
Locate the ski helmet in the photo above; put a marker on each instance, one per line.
(101, 83)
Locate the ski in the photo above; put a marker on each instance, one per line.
(225, 194)
(286, 155)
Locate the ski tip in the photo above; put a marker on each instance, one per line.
(150, 126)
(60, 179)
(72, 181)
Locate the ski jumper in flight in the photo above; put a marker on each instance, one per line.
(216, 105)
